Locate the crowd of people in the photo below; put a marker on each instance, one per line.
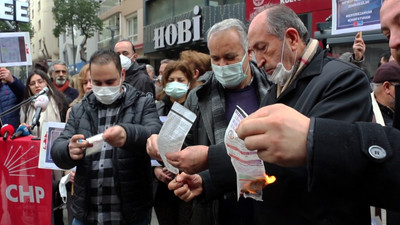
(324, 129)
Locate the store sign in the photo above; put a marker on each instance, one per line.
(182, 32)
(7, 11)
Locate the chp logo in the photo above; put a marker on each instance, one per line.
(19, 165)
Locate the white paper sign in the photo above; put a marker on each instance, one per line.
(174, 131)
(50, 132)
(247, 164)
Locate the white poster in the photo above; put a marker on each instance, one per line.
(50, 132)
(349, 16)
(15, 49)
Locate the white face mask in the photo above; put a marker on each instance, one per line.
(107, 94)
(281, 74)
(125, 62)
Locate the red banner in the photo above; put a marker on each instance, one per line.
(26, 190)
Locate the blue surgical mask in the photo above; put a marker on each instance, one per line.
(176, 90)
(232, 75)
(281, 74)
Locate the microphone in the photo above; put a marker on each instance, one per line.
(22, 131)
(7, 130)
(40, 105)
(43, 91)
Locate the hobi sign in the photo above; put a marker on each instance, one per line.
(183, 31)
(14, 10)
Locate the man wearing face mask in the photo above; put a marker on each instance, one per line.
(136, 75)
(316, 85)
(235, 80)
(113, 185)
(59, 75)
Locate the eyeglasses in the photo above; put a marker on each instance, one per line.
(60, 71)
(33, 83)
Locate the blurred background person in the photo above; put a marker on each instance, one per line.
(176, 81)
(84, 84)
(150, 72)
(200, 64)
(158, 85)
(59, 75)
(11, 93)
(136, 75)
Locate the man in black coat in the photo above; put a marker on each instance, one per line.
(136, 75)
(307, 79)
(359, 159)
(114, 184)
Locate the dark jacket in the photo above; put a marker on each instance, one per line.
(10, 95)
(346, 149)
(132, 170)
(329, 88)
(71, 94)
(198, 101)
(202, 133)
(137, 76)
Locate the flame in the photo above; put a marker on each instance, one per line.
(269, 179)
(258, 184)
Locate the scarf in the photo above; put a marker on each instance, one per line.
(62, 88)
(304, 60)
(51, 114)
(218, 111)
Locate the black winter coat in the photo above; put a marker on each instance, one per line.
(132, 171)
(326, 88)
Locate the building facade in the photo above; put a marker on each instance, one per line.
(43, 44)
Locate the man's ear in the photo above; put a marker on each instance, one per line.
(386, 87)
(196, 74)
(293, 38)
(123, 71)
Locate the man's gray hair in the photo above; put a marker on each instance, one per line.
(57, 62)
(166, 61)
(280, 18)
(231, 24)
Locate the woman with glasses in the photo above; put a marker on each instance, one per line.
(56, 109)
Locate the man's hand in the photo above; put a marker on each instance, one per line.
(186, 187)
(6, 75)
(152, 147)
(77, 146)
(358, 47)
(115, 136)
(192, 159)
(163, 174)
(278, 133)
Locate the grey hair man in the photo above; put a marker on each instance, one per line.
(235, 80)
(59, 75)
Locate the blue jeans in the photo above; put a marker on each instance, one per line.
(144, 221)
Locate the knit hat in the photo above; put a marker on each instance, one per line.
(387, 72)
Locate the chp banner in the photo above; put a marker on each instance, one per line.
(355, 15)
(25, 189)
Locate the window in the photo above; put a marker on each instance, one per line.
(39, 25)
(40, 44)
(38, 5)
(132, 27)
